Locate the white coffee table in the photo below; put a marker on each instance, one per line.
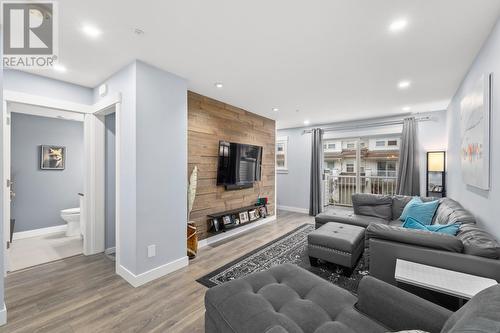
(461, 285)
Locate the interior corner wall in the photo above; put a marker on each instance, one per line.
(483, 204)
(293, 186)
(209, 122)
(153, 159)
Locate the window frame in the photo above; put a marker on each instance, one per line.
(284, 142)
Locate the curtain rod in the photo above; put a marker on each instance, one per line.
(368, 125)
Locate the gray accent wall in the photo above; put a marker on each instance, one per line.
(293, 186)
(483, 204)
(110, 195)
(42, 194)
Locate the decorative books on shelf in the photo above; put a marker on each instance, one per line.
(222, 221)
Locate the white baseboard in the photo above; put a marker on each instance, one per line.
(234, 232)
(110, 250)
(155, 273)
(39, 232)
(294, 209)
(3, 315)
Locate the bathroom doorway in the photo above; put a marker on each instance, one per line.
(46, 185)
(92, 211)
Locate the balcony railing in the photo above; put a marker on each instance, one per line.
(339, 189)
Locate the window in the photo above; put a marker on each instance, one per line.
(386, 168)
(380, 143)
(392, 143)
(281, 154)
(349, 167)
(351, 145)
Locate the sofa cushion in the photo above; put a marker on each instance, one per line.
(414, 237)
(398, 204)
(290, 297)
(346, 217)
(480, 314)
(375, 205)
(450, 211)
(478, 242)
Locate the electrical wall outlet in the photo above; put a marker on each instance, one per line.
(151, 251)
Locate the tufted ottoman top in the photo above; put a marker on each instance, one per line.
(289, 297)
(338, 236)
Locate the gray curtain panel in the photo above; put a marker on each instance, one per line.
(315, 202)
(409, 166)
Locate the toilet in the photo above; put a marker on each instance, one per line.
(72, 217)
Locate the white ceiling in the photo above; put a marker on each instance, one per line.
(332, 60)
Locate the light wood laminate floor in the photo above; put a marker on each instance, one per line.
(83, 294)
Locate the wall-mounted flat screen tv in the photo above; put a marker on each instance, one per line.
(239, 165)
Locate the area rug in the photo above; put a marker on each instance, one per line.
(289, 248)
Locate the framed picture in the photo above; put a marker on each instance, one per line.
(52, 157)
(475, 133)
(243, 217)
(263, 211)
(226, 219)
(254, 214)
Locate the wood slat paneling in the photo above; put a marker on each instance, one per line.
(210, 121)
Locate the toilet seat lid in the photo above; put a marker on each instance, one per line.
(71, 211)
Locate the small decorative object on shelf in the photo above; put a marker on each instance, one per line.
(244, 217)
(253, 214)
(192, 234)
(263, 211)
(215, 224)
(226, 219)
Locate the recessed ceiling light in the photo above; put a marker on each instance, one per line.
(404, 84)
(306, 122)
(276, 109)
(406, 108)
(59, 68)
(398, 25)
(218, 85)
(91, 31)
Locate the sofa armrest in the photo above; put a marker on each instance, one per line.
(398, 309)
(384, 253)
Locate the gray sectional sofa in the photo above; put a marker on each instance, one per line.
(472, 250)
(287, 298)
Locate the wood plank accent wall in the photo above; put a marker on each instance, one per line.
(210, 121)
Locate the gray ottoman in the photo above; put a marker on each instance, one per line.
(337, 243)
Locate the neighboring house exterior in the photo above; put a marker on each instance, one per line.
(377, 170)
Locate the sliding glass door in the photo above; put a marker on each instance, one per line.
(359, 165)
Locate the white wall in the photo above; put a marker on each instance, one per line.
(293, 187)
(42, 86)
(483, 204)
(153, 160)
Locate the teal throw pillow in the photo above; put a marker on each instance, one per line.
(449, 229)
(421, 211)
